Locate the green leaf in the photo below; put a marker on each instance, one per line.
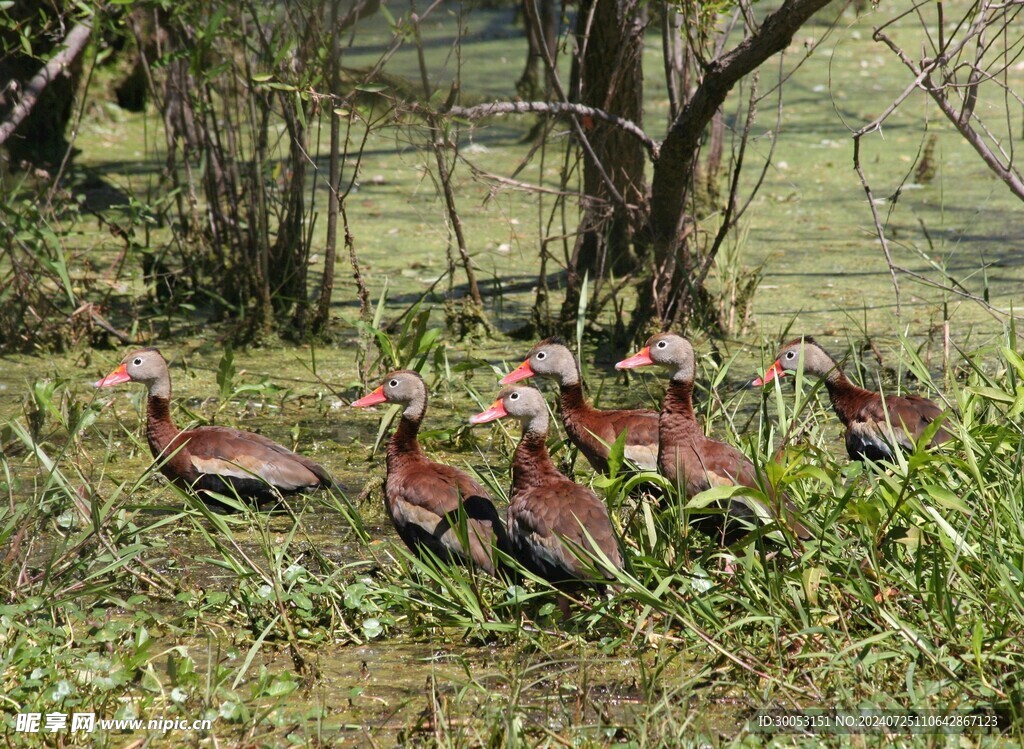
(946, 498)
(226, 373)
(616, 453)
(1018, 403)
(372, 628)
(1014, 359)
(812, 582)
(992, 394)
(715, 493)
(281, 687)
(958, 540)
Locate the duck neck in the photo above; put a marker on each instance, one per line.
(679, 400)
(842, 393)
(405, 440)
(531, 462)
(160, 428)
(571, 398)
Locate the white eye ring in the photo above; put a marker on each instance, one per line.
(541, 355)
(393, 384)
(662, 344)
(514, 397)
(790, 354)
(137, 362)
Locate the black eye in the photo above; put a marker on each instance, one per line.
(662, 344)
(137, 362)
(790, 354)
(541, 355)
(514, 397)
(393, 383)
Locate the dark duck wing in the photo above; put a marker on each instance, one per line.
(246, 461)
(424, 501)
(706, 463)
(871, 434)
(546, 522)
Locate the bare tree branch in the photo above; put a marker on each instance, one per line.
(359, 10)
(879, 229)
(988, 16)
(556, 108)
(74, 43)
(721, 74)
(1006, 172)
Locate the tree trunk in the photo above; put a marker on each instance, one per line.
(541, 18)
(609, 76)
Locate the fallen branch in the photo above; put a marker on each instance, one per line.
(74, 43)
(556, 108)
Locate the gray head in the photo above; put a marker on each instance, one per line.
(549, 358)
(667, 350)
(146, 366)
(524, 403)
(816, 361)
(402, 386)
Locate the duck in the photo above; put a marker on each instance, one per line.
(868, 417)
(213, 459)
(592, 430)
(424, 498)
(548, 513)
(691, 459)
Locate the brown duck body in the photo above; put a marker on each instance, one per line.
(547, 511)
(873, 424)
(424, 499)
(549, 515)
(691, 458)
(696, 462)
(429, 503)
(227, 461)
(593, 430)
(870, 433)
(693, 461)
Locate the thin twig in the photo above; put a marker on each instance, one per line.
(878, 222)
(556, 108)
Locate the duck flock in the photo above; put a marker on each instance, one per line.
(554, 527)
